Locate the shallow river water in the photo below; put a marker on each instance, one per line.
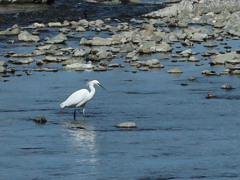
(180, 134)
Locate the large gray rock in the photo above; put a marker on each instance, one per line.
(128, 47)
(221, 59)
(147, 47)
(26, 37)
(3, 63)
(163, 47)
(58, 39)
(98, 41)
(2, 69)
(15, 30)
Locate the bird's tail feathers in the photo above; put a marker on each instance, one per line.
(62, 105)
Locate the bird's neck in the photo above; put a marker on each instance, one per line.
(92, 90)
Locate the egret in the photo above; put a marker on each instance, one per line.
(81, 97)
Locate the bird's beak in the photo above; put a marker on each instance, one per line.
(101, 86)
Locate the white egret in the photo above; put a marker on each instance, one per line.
(81, 97)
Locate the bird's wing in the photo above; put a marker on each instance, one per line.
(76, 99)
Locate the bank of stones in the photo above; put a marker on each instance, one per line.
(131, 41)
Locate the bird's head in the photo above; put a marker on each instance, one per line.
(97, 83)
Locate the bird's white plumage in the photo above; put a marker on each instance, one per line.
(80, 97)
(77, 99)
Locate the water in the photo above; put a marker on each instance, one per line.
(180, 133)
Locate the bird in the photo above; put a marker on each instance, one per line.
(81, 97)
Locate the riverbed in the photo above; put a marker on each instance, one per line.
(180, 133)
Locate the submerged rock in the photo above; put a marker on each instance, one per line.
(40, 120)
(175, 71)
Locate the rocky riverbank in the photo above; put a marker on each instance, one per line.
(156, 32)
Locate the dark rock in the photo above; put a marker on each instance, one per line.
(40, 120)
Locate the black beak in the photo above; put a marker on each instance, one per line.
(101, 86)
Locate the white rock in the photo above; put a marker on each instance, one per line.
(54, 24)
(127, 125)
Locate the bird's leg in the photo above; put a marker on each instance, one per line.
(83, 111)
(74, 114)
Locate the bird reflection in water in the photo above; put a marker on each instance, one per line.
(82, 140)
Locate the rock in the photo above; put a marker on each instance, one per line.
(39, 62)
(52, 59)
(37, 25)
(147, 47)
(186, 53)
(98, 41)
(22, 61)
(193, 59)
(128, 47)
(199, 37)
(100, 68)
(175, 71)
(163, 47)
(114, 65)
(45, 70)
(58, 39)
(211, 95)
(79, 53)
(80, 29)
(210, 44)
(54, 24)
(104, 55)
(40, 120)
(144, 68)
(15, 30)
(152, 62)
(76, 66)
(221, 59)
(156, 66)
(11, 70)
(26, 37)
(3, 63)
(227, 86)
(2, 69)
(127, 125)
(83, 22)
(130, 55)
(21, 55)
(64, 30)
(192, 78)
(103, 63)
(209, 73)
